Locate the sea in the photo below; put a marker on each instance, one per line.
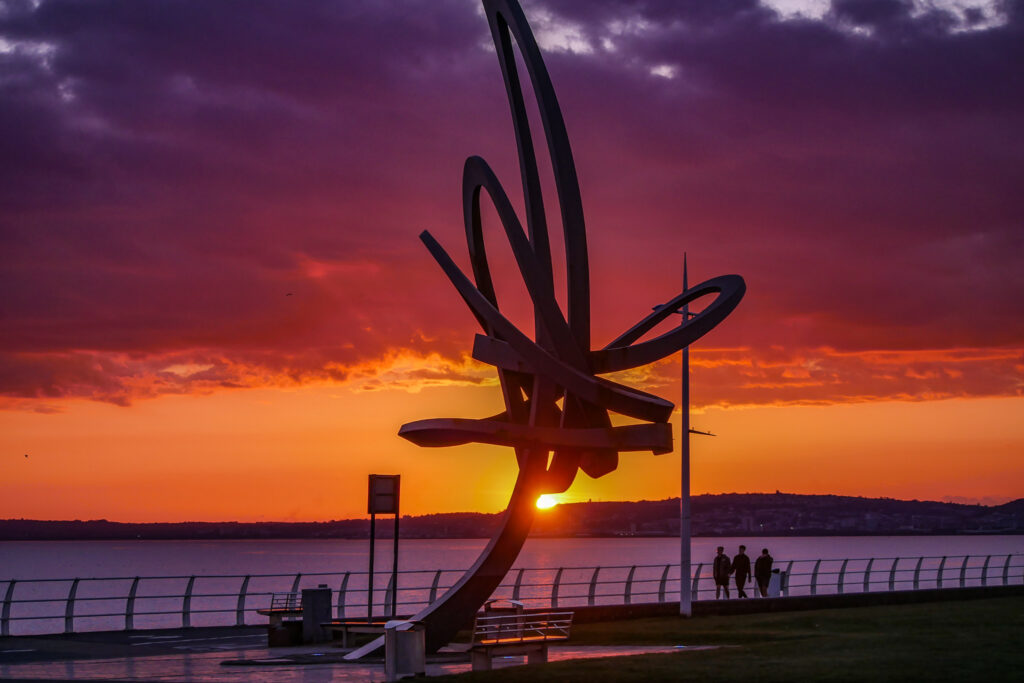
(101, 559)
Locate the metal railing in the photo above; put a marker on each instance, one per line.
(36, 606)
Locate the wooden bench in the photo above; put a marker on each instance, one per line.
(282, 605)
(517, 634)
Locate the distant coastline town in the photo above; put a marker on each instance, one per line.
(731, 514)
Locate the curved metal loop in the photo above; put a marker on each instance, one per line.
(506, 20)
(477, 175)
(622, 353)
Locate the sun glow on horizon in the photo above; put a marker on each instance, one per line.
(546, 502)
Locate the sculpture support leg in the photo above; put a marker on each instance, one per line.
(456, 608)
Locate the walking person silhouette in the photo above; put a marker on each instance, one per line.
(741, 566)
(763, 572)
(721, 570)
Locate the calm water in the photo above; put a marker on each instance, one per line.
(96, 559)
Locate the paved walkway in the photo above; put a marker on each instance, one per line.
(201, 656)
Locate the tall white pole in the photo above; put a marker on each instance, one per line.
(685, 589)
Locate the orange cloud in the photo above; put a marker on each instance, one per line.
(721, 377)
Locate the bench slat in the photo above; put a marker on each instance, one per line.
(521, 628)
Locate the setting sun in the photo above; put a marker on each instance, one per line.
(546, 502)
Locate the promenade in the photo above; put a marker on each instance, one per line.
(227, 654)
(793, 638)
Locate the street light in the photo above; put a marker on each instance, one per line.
(685, 558)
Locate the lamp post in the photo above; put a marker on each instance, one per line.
(685, 557)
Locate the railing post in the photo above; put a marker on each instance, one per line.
(696, 580)
(842, 575)
(938, 575)
(554, 588)
(784, 583)
(662, 585)
(984, 571)
(963, 571)
(69, 609)
(388, 597)
(592, 595)
(433, 587)
(867, 576)
(627, 594)
(892, 574)
(1006, 570)
(240, 611)
(186, 604)
(814, 577)
(341, 595)
(916, 572)
(295, 583)
(518, 585)
(129, 608)
(5, 614)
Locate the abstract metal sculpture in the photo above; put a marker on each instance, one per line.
(559, 365)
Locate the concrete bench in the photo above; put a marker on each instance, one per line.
(517, 634)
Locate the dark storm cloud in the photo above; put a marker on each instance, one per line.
(173, 171)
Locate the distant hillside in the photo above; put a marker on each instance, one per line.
(748, 514)
(781, 514)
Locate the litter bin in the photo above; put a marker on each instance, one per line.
(777, 584)
(496, 606)
(499, 607)
(405, 649)
(316, 610)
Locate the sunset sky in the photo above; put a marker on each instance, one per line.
(215, 305)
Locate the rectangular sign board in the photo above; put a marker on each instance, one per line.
(383, 496)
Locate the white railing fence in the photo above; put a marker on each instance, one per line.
(37, 606)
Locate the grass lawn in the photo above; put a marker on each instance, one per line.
(971, 640)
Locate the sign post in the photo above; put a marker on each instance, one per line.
(383, 498)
